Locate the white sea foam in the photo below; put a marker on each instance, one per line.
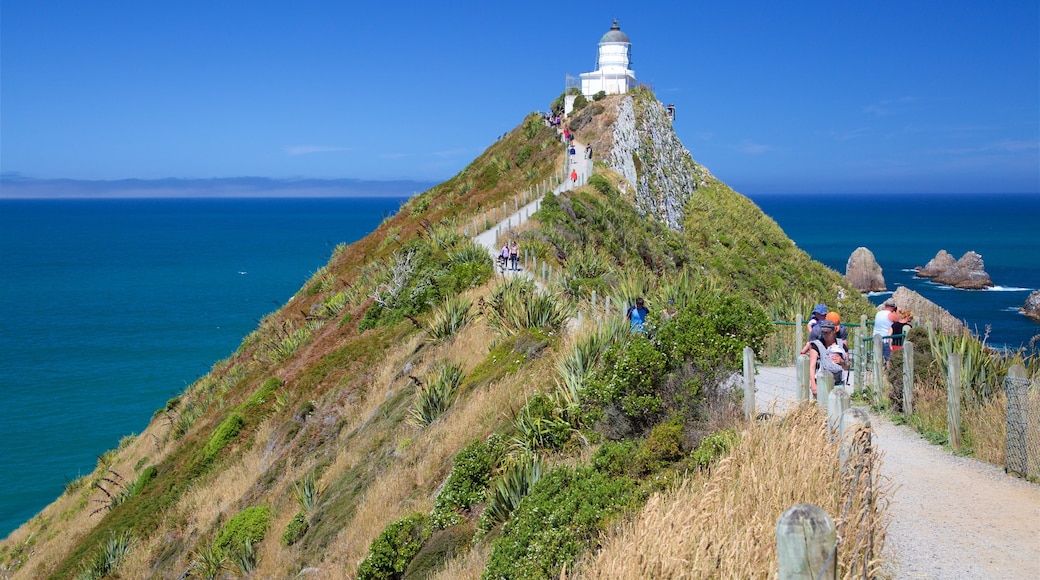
(885, 293)
(1009, 289)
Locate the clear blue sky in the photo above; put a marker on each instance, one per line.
(773, 97)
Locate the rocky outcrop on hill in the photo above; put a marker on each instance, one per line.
(648, 154)
(968, 273)
(1032, 306)
(863, 271)
(940, 263)
(926, 311)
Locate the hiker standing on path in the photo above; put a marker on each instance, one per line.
(514, 255)
(636, 315)
(574, 176)
(503, 257)
(883, 327)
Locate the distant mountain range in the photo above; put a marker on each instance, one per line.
(15, 186)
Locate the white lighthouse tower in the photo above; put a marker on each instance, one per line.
(612, 74)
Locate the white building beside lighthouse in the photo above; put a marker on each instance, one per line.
(612, 74)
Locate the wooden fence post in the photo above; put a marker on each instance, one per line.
(749, 383)
(1017, 387)
(798, 332)
(908, 378)
(854, 434)
(879, 369)
(837, 403)
(801, 366)
(824, 384)
(805, 537)
(953, 401)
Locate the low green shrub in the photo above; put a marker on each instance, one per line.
(295, 529)
(393, 550)
(714, 446)
(225, 432)
(557, 521)
(264, 393)
(628, 377)
(468, 482)
(616, 457)
(662, 446)
(248, 526)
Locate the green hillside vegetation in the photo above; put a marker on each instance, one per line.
(409, 414)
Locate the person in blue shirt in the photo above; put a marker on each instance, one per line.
(636, 315)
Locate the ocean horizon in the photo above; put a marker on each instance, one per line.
(110, 307)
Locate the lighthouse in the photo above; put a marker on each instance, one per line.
(612, 75)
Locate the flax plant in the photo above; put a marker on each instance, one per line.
(515, 305)
(107, 557)
(451, 317)
(632, 283)
(510, 489)
(577, 365)
(306, 491)
(981, 368)
(434, 396)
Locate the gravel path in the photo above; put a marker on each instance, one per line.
(955, 517)
(951, 517)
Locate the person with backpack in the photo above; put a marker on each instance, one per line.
(636, 315)
(829, 354)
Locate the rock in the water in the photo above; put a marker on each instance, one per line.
(1032, 306)
(927, 312)
(863, 272)
(942, 262)
(969, 273)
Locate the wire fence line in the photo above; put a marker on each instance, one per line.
(1023, 423)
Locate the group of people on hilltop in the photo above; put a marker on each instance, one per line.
(553, 120)
(828, 339)
(509, 256)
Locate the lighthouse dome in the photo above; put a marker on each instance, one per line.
(615, 35)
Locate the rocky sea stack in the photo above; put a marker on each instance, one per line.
(968, 273)
(863, 271)
(1032, 306)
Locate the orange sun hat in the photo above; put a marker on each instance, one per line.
(833, 317)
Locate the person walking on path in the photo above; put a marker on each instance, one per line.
(574, 176)
(636, 315)
(883, 327)
(503, 257)
(514, 256)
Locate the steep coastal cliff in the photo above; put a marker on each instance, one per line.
(395, 412)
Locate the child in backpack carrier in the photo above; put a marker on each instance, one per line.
(828, 354)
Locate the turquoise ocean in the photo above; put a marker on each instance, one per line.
(108, 308)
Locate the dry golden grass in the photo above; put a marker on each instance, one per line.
(423, 456)
(723, 525)
(63, 523)
(986, 427)
(202, 507)
(468, 566)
